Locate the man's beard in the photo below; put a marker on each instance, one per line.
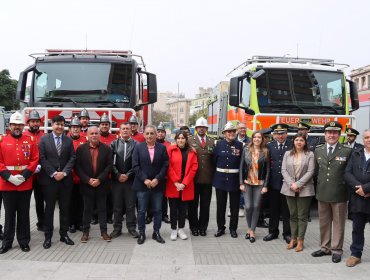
(33, 128)
(12, 133)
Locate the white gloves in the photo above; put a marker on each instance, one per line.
(16, 180)
(38, 169)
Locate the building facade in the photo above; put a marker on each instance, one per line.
(179, 111)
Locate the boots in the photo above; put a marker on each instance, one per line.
(292, 243)
(300, 245)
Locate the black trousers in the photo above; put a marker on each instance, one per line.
(278, 207)
(17, 217)
(77, 207)
(202, 199)
(164, 206)
(123, 198)
(91, 197)
(221, 197)
(57, 191)
(177, 212)
(39, 203)
(358, 227)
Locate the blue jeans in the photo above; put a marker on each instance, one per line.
(358, 228)
(156, 203)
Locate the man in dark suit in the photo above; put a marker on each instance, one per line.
(93, 166)
(351, 139)
(150, 163)
(277, 201)
(57, 157)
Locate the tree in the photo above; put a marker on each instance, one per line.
(201, 113)
(8, 88)
(160, 116)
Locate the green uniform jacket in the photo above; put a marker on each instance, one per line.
(331, 186)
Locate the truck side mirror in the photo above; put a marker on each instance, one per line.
(236, 93)
(149, 95)
(355, 103)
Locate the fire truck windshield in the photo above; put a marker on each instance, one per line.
(83, 82)
(301, 91)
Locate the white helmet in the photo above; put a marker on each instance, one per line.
(16, 118)
(201, 122)
(229, 126)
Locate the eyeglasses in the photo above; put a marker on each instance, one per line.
(231, 131)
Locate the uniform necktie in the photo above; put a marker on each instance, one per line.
(280, 147)
(330, 151)
(203, 142)
(59, 146)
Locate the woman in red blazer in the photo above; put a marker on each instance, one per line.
(183, 165)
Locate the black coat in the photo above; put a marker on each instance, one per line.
(120, 165)
(51, 162)
(84, 168)
(145, 169)
(358, 173)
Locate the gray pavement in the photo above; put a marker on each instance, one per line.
(195, 258)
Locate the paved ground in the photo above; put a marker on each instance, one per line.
(195, 258)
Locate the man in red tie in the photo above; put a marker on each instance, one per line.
(203, 180)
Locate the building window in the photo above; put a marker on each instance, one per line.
(181, 109)
(363, 83)
(368, 81)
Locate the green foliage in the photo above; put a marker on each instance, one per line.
(201, 113)
(8, 88)
(160, 116)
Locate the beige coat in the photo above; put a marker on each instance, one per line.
(305, 178)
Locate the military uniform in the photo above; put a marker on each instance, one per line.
(226, 157)
(202, 184)
(332, 192)
(18, 156)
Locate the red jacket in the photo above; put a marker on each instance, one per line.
(174, 173)
(108, 139)
(17, 156)
(77, 142)
(138, 137)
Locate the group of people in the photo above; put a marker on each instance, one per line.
(96, 175)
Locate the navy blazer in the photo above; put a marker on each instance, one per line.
(145, 169)
(276, 156)
(51, 162)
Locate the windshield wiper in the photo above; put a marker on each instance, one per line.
(290, 106)
(102, 101)
(58, 98)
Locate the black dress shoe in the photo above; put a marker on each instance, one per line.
(320, 253)
(336, 258)
(40, 227)
(195, 232)
(233, 233)
(47, 243)
(94, 221)
(65, 239)
(4, 249)
(133, 233)
(247, 236)
(203, 233)
(287, 238)
(25, 248)
(220, 232)
(72, 229)
(166, 220)
(156, 236)
(148, 220)
(270, 236)
(80, 228)
(141, 238)
(252, 239)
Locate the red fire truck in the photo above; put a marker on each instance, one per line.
(63, 82)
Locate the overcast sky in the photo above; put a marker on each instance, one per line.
(192, 43)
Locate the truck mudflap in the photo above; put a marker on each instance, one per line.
(116, 115)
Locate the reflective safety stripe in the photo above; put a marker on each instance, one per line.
(17, 168)
(227, 170)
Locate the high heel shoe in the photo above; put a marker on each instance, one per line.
(247, 236)
(252, 239)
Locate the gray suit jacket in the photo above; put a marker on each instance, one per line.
(305, 179)
(51, 162)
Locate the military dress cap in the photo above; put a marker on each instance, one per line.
(352, 131)
(104, 119)
(334, 125)
(84, 113)
(33, 115)
(133, 119)
(229, 127)
(302, 125)
(265, 131)
(280, 128)
(161, 127)
(75, 121)
(16, 118)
